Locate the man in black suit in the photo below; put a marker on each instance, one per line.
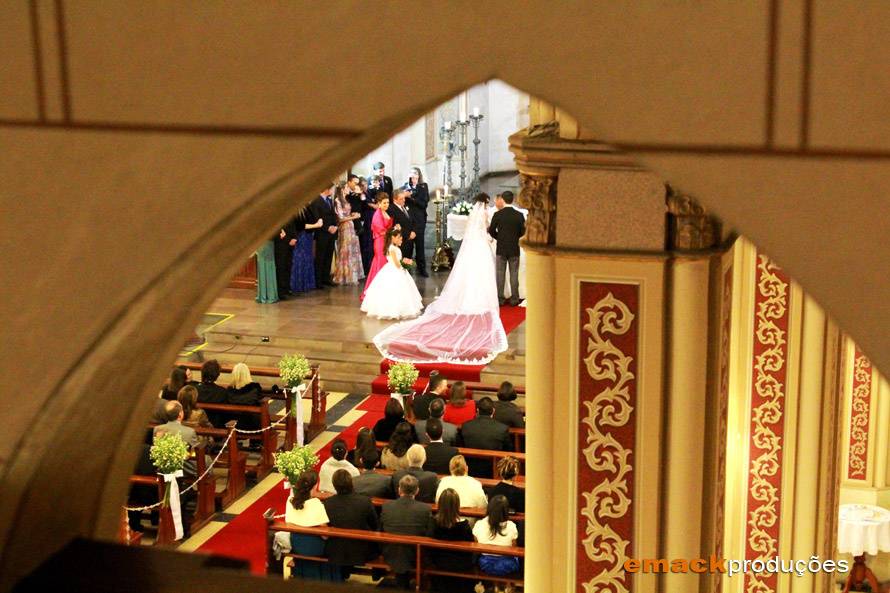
(427, 481)
(404, 516)
(438, 454)
(484, 432)
(323, 207)
(418, 201)
(379, 182)
(505, 410)
(356, 203)
(436, 387)
(284, 245)
(401, 216)
(211, 393)
(369, 482)
(349, 510)
(449, 431)
(507, 227)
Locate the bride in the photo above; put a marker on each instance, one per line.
(463, 325)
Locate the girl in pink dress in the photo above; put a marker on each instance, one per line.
(381, 223)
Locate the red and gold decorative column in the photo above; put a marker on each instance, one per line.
(860, 417)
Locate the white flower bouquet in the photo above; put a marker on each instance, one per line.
(402, 376)
(291, 464)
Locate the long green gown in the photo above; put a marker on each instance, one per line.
(266, 283)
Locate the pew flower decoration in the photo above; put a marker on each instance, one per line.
(402, 376)
(293, 368)
(462, 208)
(168, 454)
(291, 464)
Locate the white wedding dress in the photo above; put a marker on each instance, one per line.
(463, 325)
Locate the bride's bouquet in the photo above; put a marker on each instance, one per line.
(462, 208)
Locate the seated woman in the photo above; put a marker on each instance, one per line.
(393, 413)
(468, 488)
(459, 409)
(450, 526)
(176, 381)
(304, 510)
(507, 470)
(496, 529)
(332, 464)
(244, 391)
(393, 456)
(365, 445)
(192, 415)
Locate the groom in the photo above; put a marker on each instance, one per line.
(507, 226)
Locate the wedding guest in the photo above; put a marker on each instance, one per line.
(366, 238)
(244, 391)
(192, 415)
(211, 393)
(393, 414)
(404, 516)
(435, 388)
(393, 455)
(468, 488)
(507, 227)
(459, 409)
(401, 216)
(323, 207)
(174, 383)
(427, 480)
(304, 510)
(484, 432)
(356, 198)
(378, 183)
(380, 225)
(348, 269)
(507, 470)
(448, 431)
(505, 410)
(369, 482)
(438, 454)
(393, 293)
(266, 273)
(348, 510)
(365, 446)
(450, 526)
(337, 461)
(302, 271)
(285, 241)
(496, 529)
(418, 201)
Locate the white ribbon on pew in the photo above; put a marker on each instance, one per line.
(175, 509)
(298, 392)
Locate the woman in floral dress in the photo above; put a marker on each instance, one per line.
(348, 269)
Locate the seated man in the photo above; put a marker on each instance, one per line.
(427, 480)
(449, 430)
(438, 454)
(348, 510)
(404, 516)
(484, 432)
(174, 425)
(369, 482)
(436, 387)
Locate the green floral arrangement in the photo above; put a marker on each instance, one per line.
(462, 208)
(402, 376)
(168, 454)
(293, 463)
(293, 369)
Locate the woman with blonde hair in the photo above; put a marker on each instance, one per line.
(244, 391)
(468, 488)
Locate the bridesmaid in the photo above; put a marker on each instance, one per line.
(266, 283)
(381, 223)
(302, 275)
(349, 256)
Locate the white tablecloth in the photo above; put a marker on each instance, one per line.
(863, 528)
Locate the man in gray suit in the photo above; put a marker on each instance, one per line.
(173, 413)
(369, 482)
(404, 516)
(427, 481)
(449, 430)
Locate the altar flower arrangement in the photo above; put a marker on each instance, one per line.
(291, 464)
(293, 369)
(168, 454)
(402, 376)
(462, 208)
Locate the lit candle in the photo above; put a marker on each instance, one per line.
(475, 112)
(447, 125)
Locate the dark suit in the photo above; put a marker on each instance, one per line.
(211, 393)
(323, 208)
(421, 404)
(418, 201)
(428, 481)
(350, 511)
(355, 206)
(284, 257)
(386, 186)
(509, 413)
(507, 227)
(485, 433)
(438, 456)
(403, 219)
(373, 484)
(404, 516)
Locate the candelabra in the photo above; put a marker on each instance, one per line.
(446, 134)
(462, 148)
(475, 186)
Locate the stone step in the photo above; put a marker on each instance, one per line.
(222, 339)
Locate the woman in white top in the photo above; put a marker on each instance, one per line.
(468, 488)
(392, 293)
(304, 510)
(336, 461)
(495, 529)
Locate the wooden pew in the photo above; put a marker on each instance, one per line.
(519, 482)
(423, 567)
(317, 423)
(268, 438)
(518, 439)
(495, 456)
(166, 531)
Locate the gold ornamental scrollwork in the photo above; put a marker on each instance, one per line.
(611, 407)
(766, 419)
(538, 195)
(859, 419)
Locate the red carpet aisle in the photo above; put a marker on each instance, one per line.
(511, 317)
(244, 536)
